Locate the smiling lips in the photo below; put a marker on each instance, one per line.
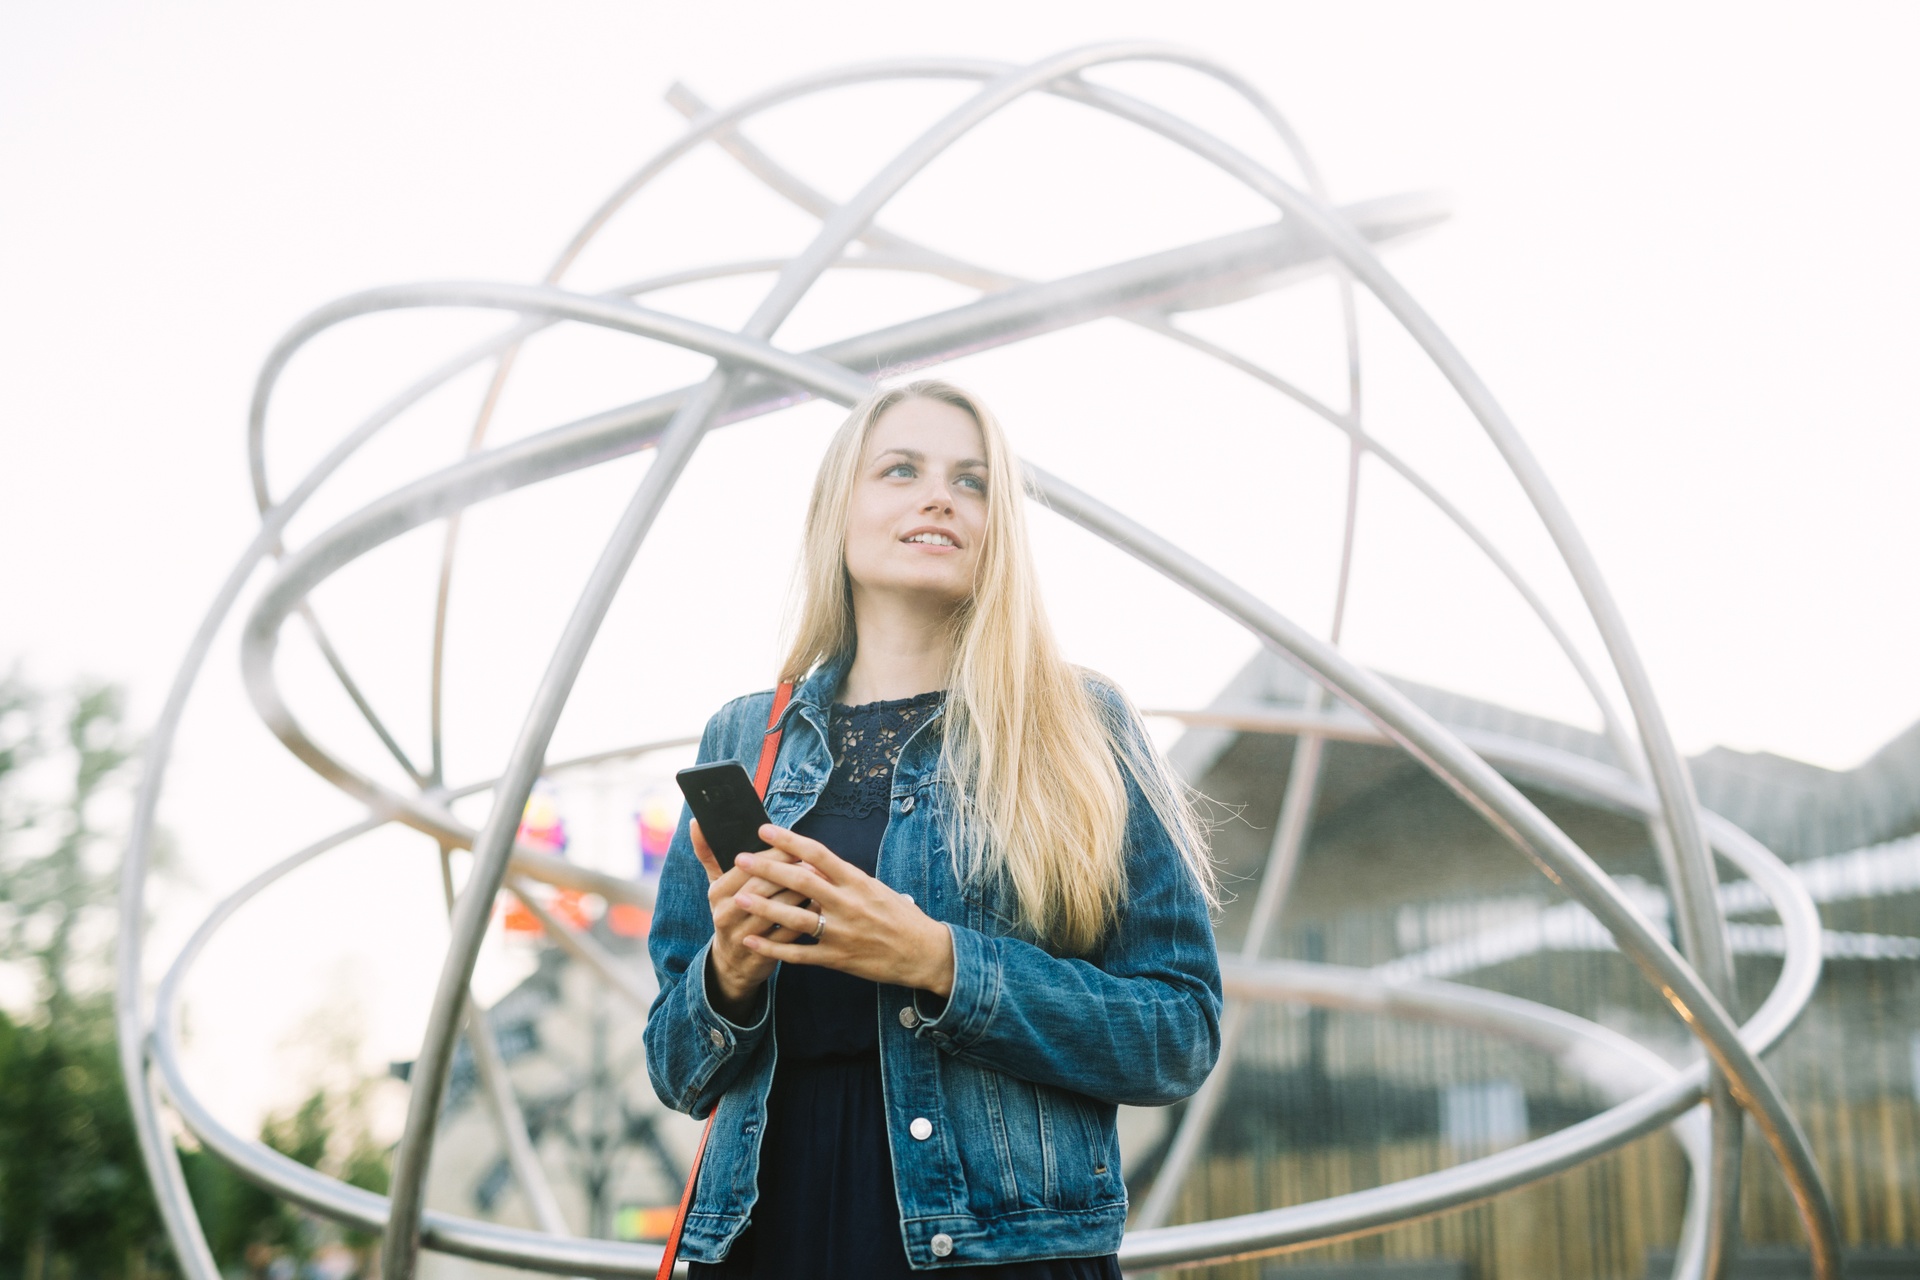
(932, 538)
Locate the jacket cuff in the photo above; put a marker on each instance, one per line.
(970, 1005)
(719, 1037)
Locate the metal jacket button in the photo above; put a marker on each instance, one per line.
(942, 1245)
(906, 804)
(922, 1129)
(719, 1039)
(908, 1018)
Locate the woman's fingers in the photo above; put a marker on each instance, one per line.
(702, 852)
(785, 952)
(722, 888)
(801, 877)
(791, 916)
(811, 852)
(756, 883)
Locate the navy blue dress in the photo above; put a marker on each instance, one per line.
(827, 1207)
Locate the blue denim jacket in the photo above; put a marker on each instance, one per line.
(1001, 1103)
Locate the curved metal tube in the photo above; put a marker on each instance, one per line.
(312, 547)
(1055, 496)
(693, 412)
(1462, 1184)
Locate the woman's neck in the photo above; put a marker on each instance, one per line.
(903, 649)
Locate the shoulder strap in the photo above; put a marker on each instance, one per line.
(762, 776)
(770, 745)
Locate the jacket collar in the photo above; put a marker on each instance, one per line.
(813, 702)
(813, 698)
(817, 689)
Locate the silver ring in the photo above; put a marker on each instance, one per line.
(820, 928)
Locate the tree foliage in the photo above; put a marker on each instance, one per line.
(73, 1194)
(75, 1202)
(55, 873)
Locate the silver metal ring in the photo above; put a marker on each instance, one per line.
(1651, 780)
(820, 928)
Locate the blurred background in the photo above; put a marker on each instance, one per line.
(1678, 252)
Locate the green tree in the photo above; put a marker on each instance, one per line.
(248, 1228)
(73, 1194)
(56, 871)
(74, 1199)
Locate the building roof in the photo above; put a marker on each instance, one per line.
(1797, 809)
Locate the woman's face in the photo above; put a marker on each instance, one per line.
(919, 504)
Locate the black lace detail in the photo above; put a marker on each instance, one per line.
(866, 742)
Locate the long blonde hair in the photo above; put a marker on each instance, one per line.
(1033, 746)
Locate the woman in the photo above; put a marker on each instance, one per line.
(983, 922)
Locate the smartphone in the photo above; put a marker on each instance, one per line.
(728, 808)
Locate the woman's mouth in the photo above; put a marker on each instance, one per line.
(931, 539)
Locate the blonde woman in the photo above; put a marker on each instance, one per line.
(983, 922)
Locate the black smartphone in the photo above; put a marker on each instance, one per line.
(728, 808)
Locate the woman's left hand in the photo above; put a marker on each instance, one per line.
(871, 931)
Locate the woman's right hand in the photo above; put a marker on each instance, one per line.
(735, 975)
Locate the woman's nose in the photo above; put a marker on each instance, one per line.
(941, 499)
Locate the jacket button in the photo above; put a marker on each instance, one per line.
(922, 1129)
(908, 1018)
(942, 1245)
(906, 804)
(718, 1038)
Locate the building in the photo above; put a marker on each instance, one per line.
(1398, 871)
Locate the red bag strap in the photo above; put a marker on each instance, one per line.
(770, 745)
(769, 749)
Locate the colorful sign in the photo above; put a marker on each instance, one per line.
(541, 827)
(654, 822)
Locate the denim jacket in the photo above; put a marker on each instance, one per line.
(1001, 1101)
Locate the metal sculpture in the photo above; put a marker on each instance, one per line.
(751, 376)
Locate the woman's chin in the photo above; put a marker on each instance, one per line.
(941, 592)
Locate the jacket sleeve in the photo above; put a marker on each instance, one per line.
(1139, 1023)
(693, 1053)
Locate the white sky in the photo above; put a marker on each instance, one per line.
(1680, 255)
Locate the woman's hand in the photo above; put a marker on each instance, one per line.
(871, 931)
(735, 973)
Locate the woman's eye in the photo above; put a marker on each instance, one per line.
(899, 469)
(975, 483)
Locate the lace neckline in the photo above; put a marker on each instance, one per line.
(866, 741)
(929, 699)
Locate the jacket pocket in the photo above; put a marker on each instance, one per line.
(993, 1118)
(1079, 1149)
(1050, 1149)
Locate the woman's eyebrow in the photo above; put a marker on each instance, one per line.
(914, 455)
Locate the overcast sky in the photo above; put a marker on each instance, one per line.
(1680, 254)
